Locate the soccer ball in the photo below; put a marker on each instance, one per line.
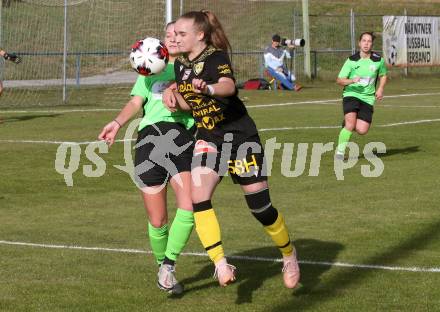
(149, 56)
(392, 55)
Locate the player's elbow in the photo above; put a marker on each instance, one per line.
(226, 87)
(136, 102)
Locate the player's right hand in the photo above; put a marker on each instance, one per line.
(199, 85)
(12, 57)
(169, 100)
(109, 132)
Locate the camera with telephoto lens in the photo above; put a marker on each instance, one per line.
(294, 42)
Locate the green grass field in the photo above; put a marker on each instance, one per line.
(383, 227)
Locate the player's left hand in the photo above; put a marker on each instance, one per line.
(12, 57)
(199, 86)
(379, 94)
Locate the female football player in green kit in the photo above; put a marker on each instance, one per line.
(227, 140)
(158, 122)
(359, 76)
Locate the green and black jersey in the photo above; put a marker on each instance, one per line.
(214, 116)
(368, 69)
(150, 88)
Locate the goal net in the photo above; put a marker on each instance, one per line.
(96, 36)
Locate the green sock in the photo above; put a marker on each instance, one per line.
(344, 137)
(158, 241)
(180, 232)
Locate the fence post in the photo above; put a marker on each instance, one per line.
(305, 10)
(1, 62)
(315, 64)
(292, 66)
(352, 32)
(168, 11)
(65, 52)
(78, 68)
(405, 69)
(1, 11)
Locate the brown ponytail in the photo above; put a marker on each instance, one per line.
(208, 23)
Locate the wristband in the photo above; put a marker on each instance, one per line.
(120, 126)
(210, 90)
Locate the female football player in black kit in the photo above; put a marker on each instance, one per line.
(227, 139)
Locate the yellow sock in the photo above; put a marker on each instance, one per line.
(208, 229)
(278, 232)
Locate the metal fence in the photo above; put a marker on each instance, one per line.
(98, 34)
(85, 41)
(335, 37)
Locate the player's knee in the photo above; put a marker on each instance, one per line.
(361, 131)
(158, 222)
(261, 207)
(350, 125)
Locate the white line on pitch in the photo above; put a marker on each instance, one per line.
(298, 128)
(86, 110)
(413, 122)
(319, 102)
(326, 102)
(247, 258)
(408, 123)
(335, 127)
(58, 142)
(411, 106)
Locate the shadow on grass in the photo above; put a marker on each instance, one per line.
(26, 117)
(396, 151)
(204, 274)
(253, 273)
(256, 265)
(347, 278)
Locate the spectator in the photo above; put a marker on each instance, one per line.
(274, 62)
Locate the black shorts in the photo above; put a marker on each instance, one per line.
(244, 162)
(364, 111)
(162, 150)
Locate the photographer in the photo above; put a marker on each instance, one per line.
(274, 62)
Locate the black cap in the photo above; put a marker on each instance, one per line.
(276, 38)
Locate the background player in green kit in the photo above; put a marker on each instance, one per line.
(156, 125)
(359, 76)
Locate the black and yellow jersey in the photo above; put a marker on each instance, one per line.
(214, 116)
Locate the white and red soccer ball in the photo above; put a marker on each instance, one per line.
(149, 56)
